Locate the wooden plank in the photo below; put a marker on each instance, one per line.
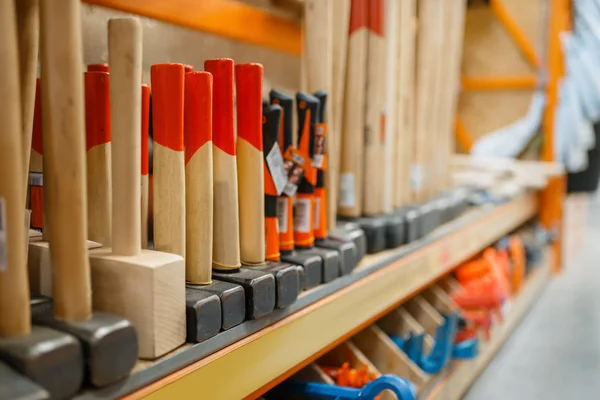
(232, 19)
(386, 356)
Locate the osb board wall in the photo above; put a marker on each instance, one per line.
(490, 51)
(168, 43)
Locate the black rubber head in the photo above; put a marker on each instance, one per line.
(51, 359)
(330, 259)
(287, 279)
(233, 302)
(347, 253)
(40, 305)
(430, 217)
(202, 314)
(259, 287)
(412, 223)
(15, 386)
(375, 231)
(351, 231)
(394, 230)
(109, 343)
(312, 268)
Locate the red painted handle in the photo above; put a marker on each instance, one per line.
(97, 108)
(167, 104)
(248, 84)
(198, 111)
(223, 133)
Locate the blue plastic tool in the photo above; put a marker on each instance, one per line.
(466, 350)
(402, 388)
(441, 352)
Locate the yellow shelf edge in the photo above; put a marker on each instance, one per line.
(267, 355)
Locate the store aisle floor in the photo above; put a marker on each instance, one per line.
(554, 354)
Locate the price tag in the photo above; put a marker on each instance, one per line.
(282, 213)
(276, 168)
(295, 164)
(320, 146)
(347, 198)
(302, 216)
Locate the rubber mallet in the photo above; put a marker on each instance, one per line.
(251, 184)
(289, 277)
(258, 285)
(210, 305)
(312, 264)
(51, 359)
(16, 386)
(346, 249)
(109, 342)
(307, 107)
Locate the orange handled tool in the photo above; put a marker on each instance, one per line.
(308, 108)
(271, 124)
(285, 207)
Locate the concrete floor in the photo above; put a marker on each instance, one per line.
(554, 354)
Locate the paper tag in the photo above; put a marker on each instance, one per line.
(276, 168)
(416, 177)
(317, 213)
(320, 146)
(294, 165)
(302, 216)
(282, 213)
(3, 249)
(347, 190)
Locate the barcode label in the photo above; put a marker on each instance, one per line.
(276, 168)
(302, 216)
(317, 220)
(36, 179)
(347, 190)
(282, 213)
(3, 261)
(416, 177)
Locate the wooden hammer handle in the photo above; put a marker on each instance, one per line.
(28, 26)
(125, 60)
(14, 290)
(64, 156)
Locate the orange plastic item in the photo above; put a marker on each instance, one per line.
(517, 253)
(473, 270)
(350, 377)
(498, 273)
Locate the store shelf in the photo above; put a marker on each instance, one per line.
(230, 18)
(456, 381)
(259, 354)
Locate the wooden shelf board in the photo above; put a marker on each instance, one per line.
(453, 384)
(228, 18)
(275, 347)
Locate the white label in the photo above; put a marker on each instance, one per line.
(282, 213)
(302, 216)
(416, 177)
(36, 179)
(290, 189)
(275, 165)
(347, 190)
(317, 220)
(317, 160)
(3, 262)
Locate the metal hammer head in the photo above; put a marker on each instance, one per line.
(52, 359)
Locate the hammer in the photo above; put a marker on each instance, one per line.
(210, 304)
(313, 264)
(251, 184)
(155, 304)
(109, 343)
(49, 358)
(258, 285)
